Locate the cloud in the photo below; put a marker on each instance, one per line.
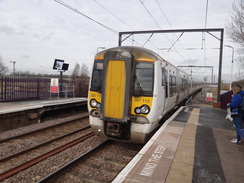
(9, 30)
(25, 56)
(191, 61)
(35, 32)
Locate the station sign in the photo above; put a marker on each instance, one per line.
(209, 97)
(59, 65)
(54, 85)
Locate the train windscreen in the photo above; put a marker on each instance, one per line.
(96, 83)
(143, 79)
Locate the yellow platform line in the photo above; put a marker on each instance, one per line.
(181, 169)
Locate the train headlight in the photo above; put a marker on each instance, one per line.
(94, 104)
(98, 105)
(137, 110)
(144, 109)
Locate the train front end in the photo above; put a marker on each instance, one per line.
(120, 95)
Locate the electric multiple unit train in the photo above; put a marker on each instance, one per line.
(131, 89)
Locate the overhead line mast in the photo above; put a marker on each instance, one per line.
(221, 39)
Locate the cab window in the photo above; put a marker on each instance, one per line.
(143, 79)
(96, 83)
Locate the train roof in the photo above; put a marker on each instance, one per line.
(139, 53)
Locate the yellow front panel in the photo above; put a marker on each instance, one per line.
(115, 89)
(139, 101)
(95, 95)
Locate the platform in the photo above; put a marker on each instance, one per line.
(21, 113)
(192, 146)
(10, 107)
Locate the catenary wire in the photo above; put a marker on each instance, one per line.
(147, 39)
(122, 21)
(75, 10)
(160, 7)
(141, 1)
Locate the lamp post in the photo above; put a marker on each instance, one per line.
(231, 63)
(100, 48)
(14, 62)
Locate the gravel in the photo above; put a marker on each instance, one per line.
(49, 165)
(94, 167)
(33, 127)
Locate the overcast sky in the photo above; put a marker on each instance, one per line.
(35, 32)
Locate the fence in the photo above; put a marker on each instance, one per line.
(17, 88)
(68, 90)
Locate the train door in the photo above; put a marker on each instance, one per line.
(163, 93)
(171, 89)
(165, 82)
(116, 86)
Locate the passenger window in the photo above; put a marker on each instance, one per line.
(172, 85)
(165, 81)
(163, 77)
(183, 85)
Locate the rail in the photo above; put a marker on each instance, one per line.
(71, 164)
(41, 129)
(42, 144)
(38, 159)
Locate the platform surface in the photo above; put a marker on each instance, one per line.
(10, 107)
(192, 146)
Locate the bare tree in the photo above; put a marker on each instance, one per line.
(84, 70)
(240, 65)
(3, 68)
(80, 72)
(76, 72)
(80, 76)
(235, 26)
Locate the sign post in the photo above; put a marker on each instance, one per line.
(61, 67)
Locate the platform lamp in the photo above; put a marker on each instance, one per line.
(231, 63)
(100, 48)
(14, 62)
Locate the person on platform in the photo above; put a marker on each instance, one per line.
(241, 133)
(235, 113)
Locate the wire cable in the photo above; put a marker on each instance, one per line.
(113, 14)
(160, 7)
(161, 28)
(150, 14)
(164, 14)
(75, 10)
(147, 39)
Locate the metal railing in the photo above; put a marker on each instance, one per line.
(23, 88)
(66, 90)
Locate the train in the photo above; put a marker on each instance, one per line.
(131, 88)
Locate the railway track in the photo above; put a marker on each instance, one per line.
(24, 159)
(67, 122)
(36, 160)
(14, 155)
(100, 164)
(21, 143)
(64, 169)
(58, 149)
